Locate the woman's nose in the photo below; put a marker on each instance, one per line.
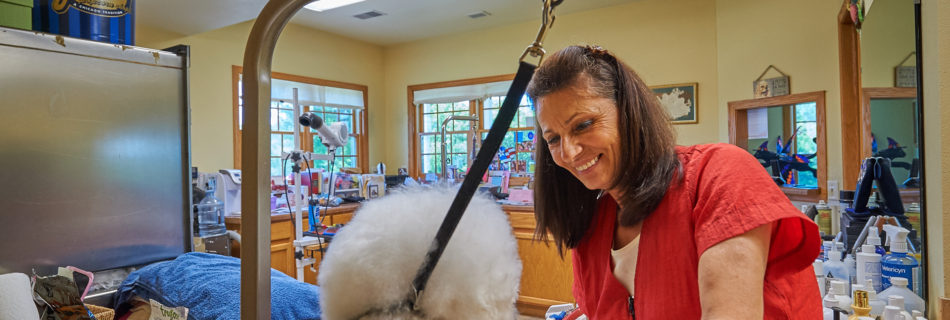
(570, 149)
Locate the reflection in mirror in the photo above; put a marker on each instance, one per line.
(786, 135)
(893, 130)
(889, 114)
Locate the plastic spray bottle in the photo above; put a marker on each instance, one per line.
(908, 300)
(897, 264)
(869, 267)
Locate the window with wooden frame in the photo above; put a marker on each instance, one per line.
(431, 104)
(331, 100)
(788, 131)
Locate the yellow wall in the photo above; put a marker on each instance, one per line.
(887, 37)
(798, 37)
(936, 56)
(666, 42)
(300, 51)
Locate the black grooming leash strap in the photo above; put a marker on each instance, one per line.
(484, 158)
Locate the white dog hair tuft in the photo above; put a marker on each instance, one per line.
(371, 262)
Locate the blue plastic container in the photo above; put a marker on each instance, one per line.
(110, 21)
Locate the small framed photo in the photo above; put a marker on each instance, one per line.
(680, 101)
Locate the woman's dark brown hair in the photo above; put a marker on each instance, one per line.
(563, 205)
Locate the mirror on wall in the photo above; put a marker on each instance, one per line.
(888, 82)
(893, 135)
(786, 134)
(881, 110)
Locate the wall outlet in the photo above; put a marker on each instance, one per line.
(832, 190)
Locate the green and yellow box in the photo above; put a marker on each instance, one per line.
(16, 14)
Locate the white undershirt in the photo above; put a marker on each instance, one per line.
(625, 263)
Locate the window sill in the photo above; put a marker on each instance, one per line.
(799, 194)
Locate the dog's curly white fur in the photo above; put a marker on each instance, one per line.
(372, 260)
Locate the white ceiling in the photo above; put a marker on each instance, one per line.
(405, 20)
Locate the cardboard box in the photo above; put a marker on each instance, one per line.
(16, 14)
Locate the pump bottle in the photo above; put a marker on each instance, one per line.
(861, 307)
(897, 264)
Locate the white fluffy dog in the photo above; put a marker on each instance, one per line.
(371, 262)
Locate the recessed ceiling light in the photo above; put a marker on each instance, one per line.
(369, 15)
(480, 14)
(324, 5)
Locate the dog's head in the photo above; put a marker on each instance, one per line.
(370, 264)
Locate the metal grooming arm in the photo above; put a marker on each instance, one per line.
(255, 218)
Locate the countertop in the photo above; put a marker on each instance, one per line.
(277, 217)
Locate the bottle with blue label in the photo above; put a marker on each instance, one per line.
(897, 263)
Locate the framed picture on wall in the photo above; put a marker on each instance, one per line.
(679, 100)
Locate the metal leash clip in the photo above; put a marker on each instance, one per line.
(536, 49)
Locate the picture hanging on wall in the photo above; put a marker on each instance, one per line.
(771, 87)
(679, 100)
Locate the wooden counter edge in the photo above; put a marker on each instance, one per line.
(342, 209)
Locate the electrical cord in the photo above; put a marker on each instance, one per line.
(310, 189)
(283, 174)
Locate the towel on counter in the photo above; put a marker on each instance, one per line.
(209, 285)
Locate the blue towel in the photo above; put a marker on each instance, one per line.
(209, 285)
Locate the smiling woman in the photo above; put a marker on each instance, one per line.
(610, 179)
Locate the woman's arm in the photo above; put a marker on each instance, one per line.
(731, 276)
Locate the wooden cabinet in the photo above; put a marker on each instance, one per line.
(282, 239)
(546, 278)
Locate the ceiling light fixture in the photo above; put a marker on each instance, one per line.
(324, 5)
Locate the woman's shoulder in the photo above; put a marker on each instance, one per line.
(702, 154)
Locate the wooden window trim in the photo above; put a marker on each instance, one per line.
(865, 112)
(363, 137)
(414, 117)
(739, 135)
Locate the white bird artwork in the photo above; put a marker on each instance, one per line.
(674, 102)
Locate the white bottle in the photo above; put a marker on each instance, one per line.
(874, 236)
(892, 313)
(820, 275)
(898, 301)
(827, 303)
(908, 299)
(868, 267)
(839, 292)
(826, 247)
(877, 306)
(835, 268)
(850, 266)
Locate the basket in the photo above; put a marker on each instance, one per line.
(101, 313)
